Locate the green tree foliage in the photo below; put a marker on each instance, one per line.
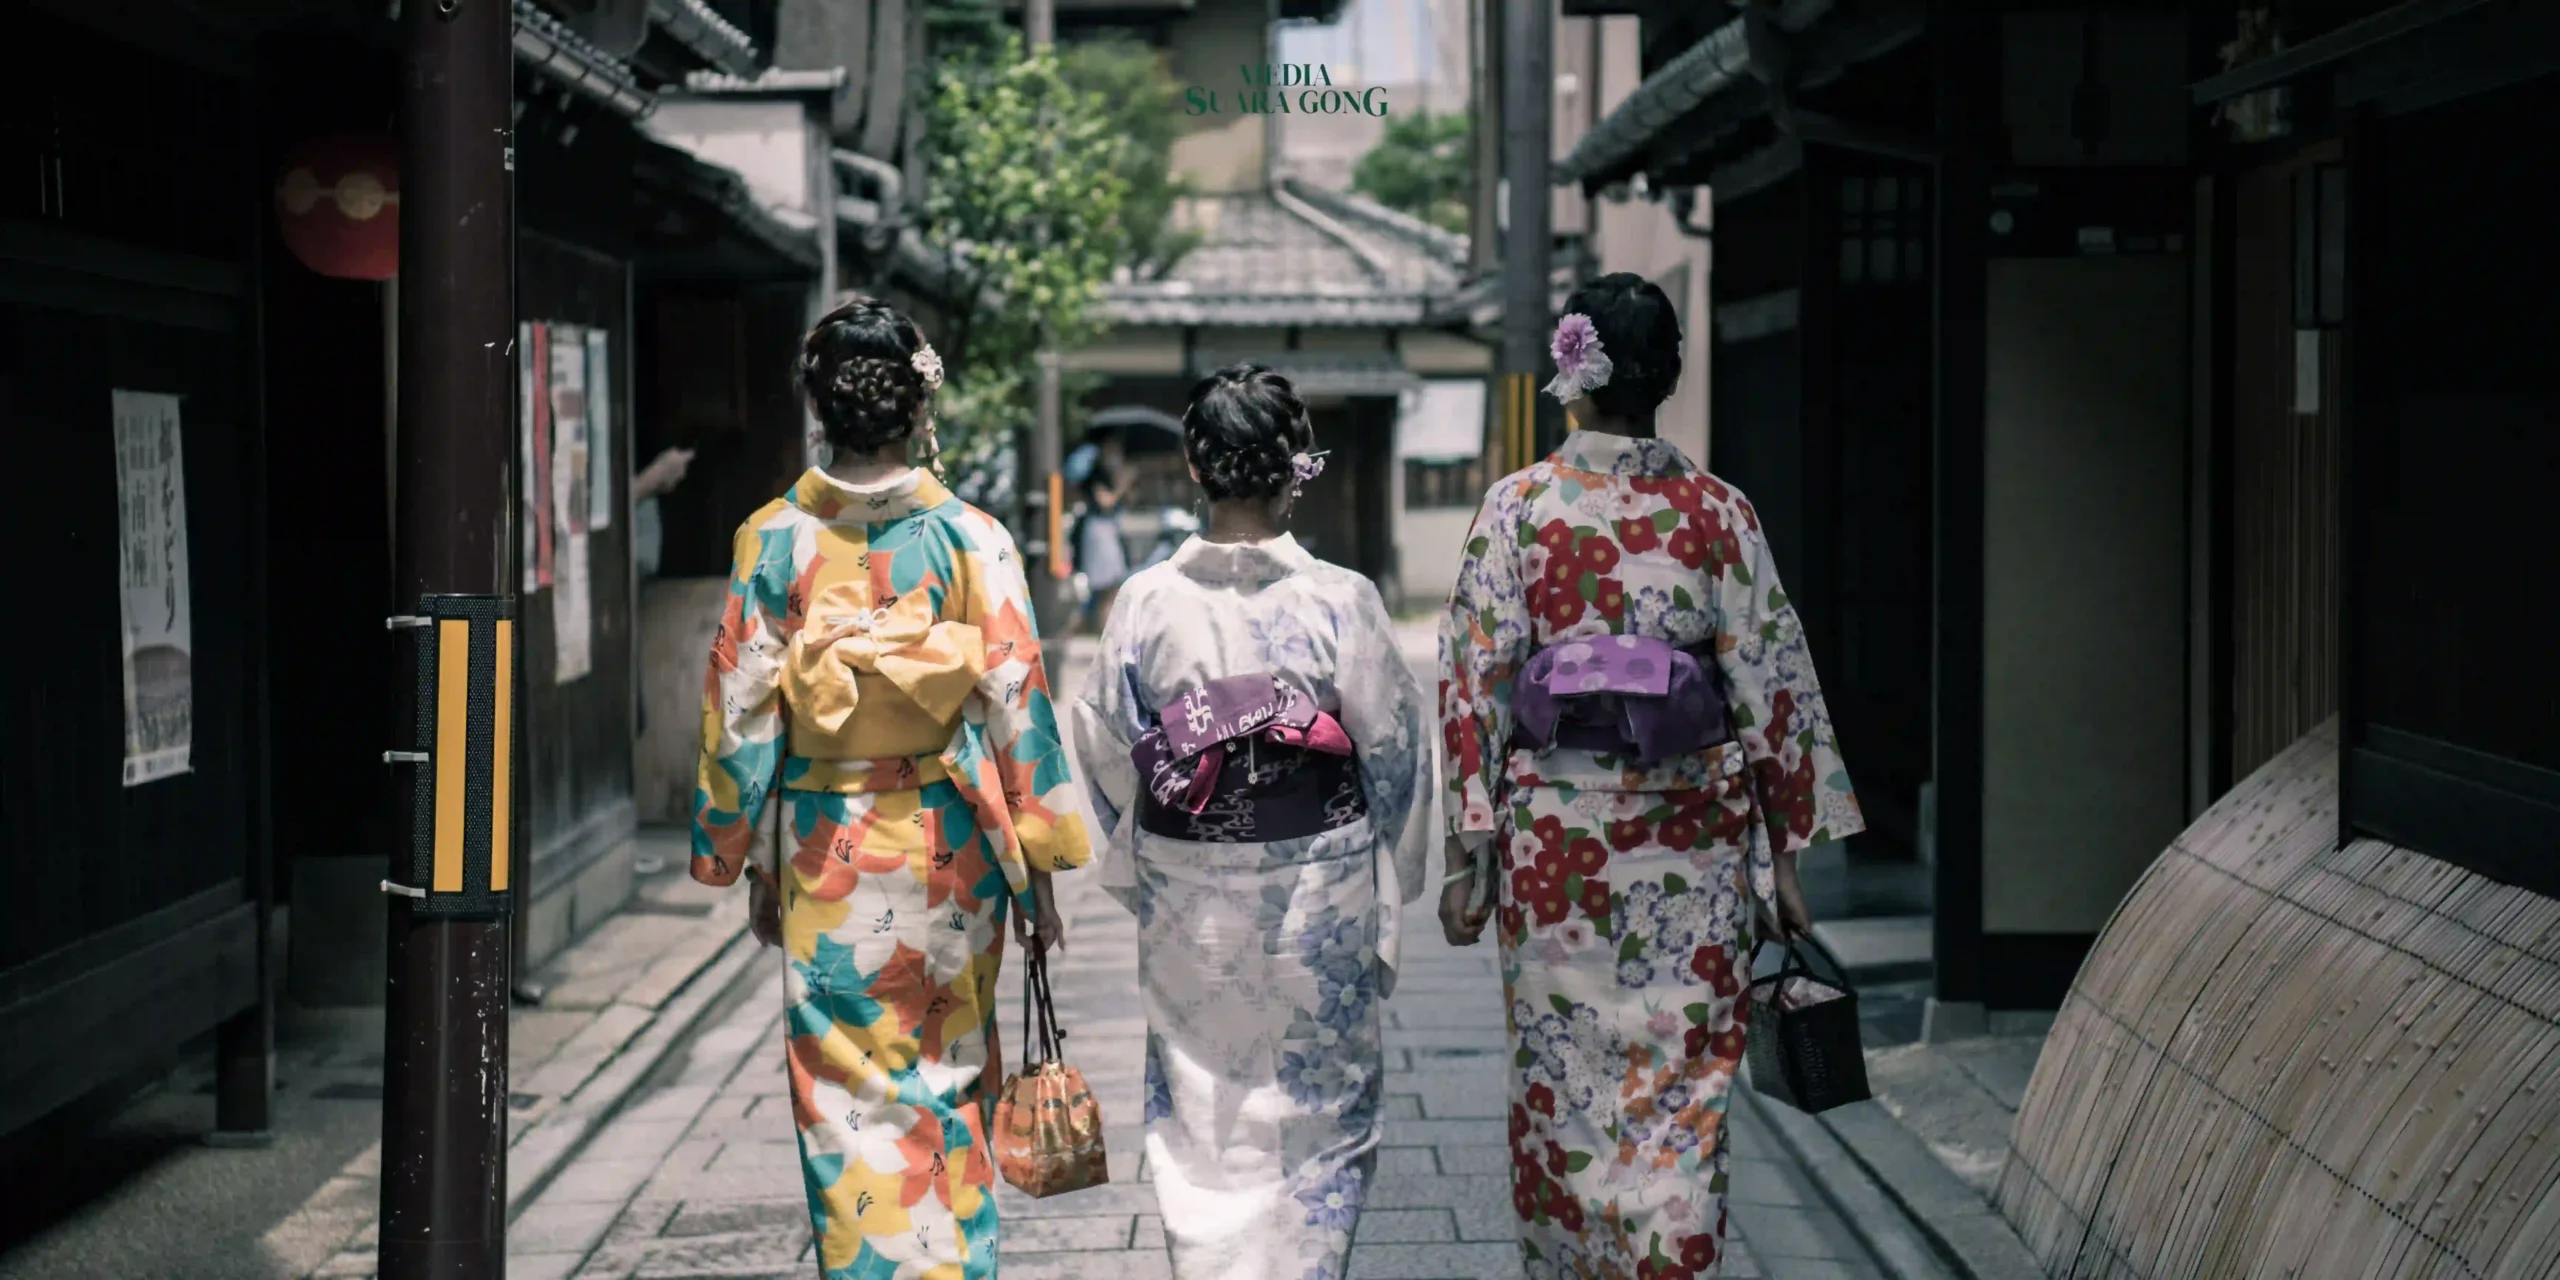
(1024, 210)
(973, 29)
(1146, 114)
(1420, 167)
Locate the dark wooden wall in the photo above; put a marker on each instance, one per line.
(1824, 423)
(2453, 539)
(134, 926)
(718, 381)
(1868, 489)
(2449, 683)
(2283, 565)
(328, 497)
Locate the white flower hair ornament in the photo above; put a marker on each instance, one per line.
(928, 365)
(1581, 366)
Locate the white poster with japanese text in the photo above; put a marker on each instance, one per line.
(159, 674)
(572, 617)
(573, 610)
(600, 486)
(528, 476)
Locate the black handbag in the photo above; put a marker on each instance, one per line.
(1804, 1048)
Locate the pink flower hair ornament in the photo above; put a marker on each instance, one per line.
(1581, 366)
(1304, 467)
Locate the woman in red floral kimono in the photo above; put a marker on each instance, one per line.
(1633, 834)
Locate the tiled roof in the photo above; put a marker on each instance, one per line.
(1708, 89)
(770, 80)
(711, 37)
(1478, 306)
(1277, 258)
(1360, 211)
(1319, 373)
(547, 45)
(1708, 67)
(723, 190)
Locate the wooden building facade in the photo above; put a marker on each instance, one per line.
(205, 427)
(2127, 394)
(135, 784)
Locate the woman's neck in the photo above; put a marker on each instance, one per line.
(1242, 520)
(1586, 416)
(886, 463)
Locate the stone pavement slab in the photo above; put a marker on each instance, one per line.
(612, 1006)
(724, 1199)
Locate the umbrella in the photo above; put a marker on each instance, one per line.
(1141, 429)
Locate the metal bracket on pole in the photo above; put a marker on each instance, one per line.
(464, 818)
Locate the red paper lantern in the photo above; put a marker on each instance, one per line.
(339, 205)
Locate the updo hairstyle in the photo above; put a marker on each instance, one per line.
(1243, 425)
(1639, 330)
(857, 367)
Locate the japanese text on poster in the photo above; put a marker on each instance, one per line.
(528, 529)
(572, 606)
(600, 486)
(151, 499)
(537, 476)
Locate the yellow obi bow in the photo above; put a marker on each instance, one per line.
(934, 663)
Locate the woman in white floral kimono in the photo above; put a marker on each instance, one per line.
(1257, 750)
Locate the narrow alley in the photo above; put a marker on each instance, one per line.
(699, 1176)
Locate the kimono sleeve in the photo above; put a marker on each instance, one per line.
(1388, 718)
(1107, 719)
(742, 718)
(1484, 639)
(1022, 737)
(1778, 713)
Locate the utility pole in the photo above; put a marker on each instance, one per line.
(444, 1115)
(1528, 143)
(1047, 495)
(1484, 210)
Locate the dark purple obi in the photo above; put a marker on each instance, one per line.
(1246, 760)
(1632, 696)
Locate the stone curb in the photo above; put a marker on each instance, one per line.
(537, 1155)
(1870, 1149)
(1879, 1221)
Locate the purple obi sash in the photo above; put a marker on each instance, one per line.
(1246, 760)
(1633, 696)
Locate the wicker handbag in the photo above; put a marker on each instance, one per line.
(1048, 1132)
(1804, 1048)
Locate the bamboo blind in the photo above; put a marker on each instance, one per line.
(2287, 1059)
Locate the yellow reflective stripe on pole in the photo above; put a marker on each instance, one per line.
(1519, 420)
(453, 748)
(1058, 566)
(502, 734)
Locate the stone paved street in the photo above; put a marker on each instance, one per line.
(699, 1178)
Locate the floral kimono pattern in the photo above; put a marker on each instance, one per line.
(1261, 965)
(1625, 914)
(878, 662)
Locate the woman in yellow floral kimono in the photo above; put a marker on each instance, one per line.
(878, 662)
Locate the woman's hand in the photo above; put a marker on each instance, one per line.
(764, 908)
(1461, 925)
(1040, 930)
(1795, 919)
